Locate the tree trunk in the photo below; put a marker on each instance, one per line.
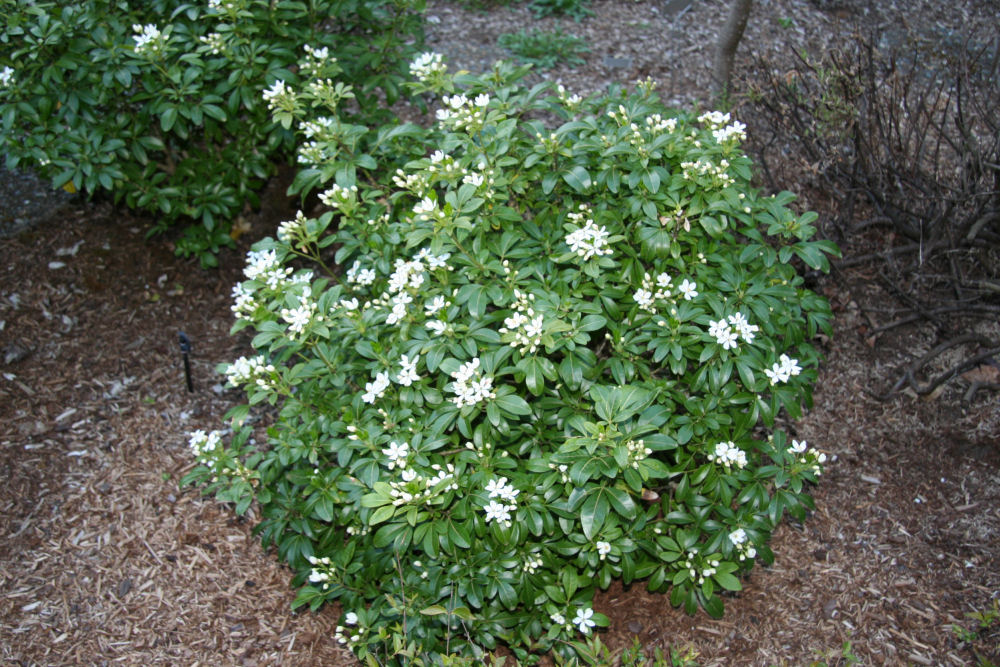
(725, 50)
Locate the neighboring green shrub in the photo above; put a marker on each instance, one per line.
(575, 9)
(544, 49)
(551, 363)
(160, 103)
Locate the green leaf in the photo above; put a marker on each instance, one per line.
(513, 404)
(618, 404)
(383, 513)
(168, 118)
(433, 610)
(578, 178)
(727, 581)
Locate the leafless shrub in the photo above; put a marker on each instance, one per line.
(900, 131)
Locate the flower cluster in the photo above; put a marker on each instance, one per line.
(699, 571)
(345, 635)
(731, 134)
(728, 454)
(470, 385)
(341, 198)
(375, 389)
(293, 232)
(461, 113)
(589, 240)
(660, 290)
(205, 446)
(637, 451)
(744, 547)
(280, 97)
(359, 275)
(264, 266)
(523, 329)
(428, 66)
(783, 370)
(808, 456)
(728, 333)
(299, 317)
(657, 124)
(500, 511)
(148, 39)
(214, 42)
(6, 76)
(703, 168)
(713, 119)
(255, 370)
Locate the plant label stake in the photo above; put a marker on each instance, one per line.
(185, 349)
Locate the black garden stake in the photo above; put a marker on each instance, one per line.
(185, 349)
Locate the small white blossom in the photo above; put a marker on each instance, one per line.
(397, 454)
(784, 370)
(584, 619)
(147, 39)
(728, 454)
(376, 389)
(497, 512)
(426, 65)
(603, 549)
(408, 374)
(6, 76)
(689, 289)
(589, 241)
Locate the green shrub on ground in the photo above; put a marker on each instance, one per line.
(159, 103)
(544, 355)
(544, 49)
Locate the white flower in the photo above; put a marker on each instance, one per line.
(736, 131)
(589, 241)
(408, 374)
(437, 326)
(435, 304)
(376, 389)
(728, 454)
(397, 454)
(203, 445)
(499, 488)
(603, 549)
(688, 289)
(783, 370)
(6, 76)
(584, 619)
(497, 512)
(738, 537)
(714, 119)
(426, 65)
(558, 618)
(146, 37)
(351, 618)
(644, 298)
(468, 390)
(798, 446)
(299, 318)
(276, 93)
(746, 330)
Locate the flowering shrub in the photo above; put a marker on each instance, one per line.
(552, 360)
(160, 103)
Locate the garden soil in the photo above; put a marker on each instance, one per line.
(104, 560)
